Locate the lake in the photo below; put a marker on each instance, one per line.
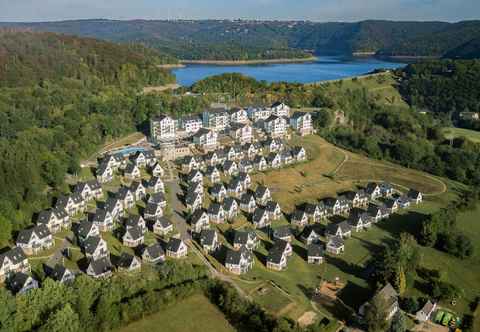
(325, 68)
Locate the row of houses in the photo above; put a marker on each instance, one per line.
(231, 161)
(242, 125)
(130, 166)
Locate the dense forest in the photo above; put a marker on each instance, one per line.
(247, 40)
(61, 98)
(442, 86)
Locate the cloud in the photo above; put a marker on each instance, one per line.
(318, 10)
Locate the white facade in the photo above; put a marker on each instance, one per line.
(162, 128)
(302, 122)
(281, 109)
(206, 139)
(275, 126)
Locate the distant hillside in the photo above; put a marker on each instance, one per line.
(469, 50)
(249, 40)
(28, 57)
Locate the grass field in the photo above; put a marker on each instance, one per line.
(451, 133)
(331, 170)
(195, 313)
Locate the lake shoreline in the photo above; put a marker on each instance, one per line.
(246, 62)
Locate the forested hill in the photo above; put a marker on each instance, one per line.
(27, 58)
(246, 40)
(61, 98)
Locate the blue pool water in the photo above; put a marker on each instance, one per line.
(325, 68)
(129, 151)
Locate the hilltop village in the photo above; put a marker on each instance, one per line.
(208, 161)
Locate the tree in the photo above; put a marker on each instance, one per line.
(399, 323)
(376, 315)
(63, 320)
(7, 311)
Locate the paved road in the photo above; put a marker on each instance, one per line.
(57, 257)
(178, 208)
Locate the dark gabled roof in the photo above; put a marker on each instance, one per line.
(412, 193)
(388, 293)
(211, 169)
(258, 159)
(80, 186)
(160, 117)
(155, 250)
(214, 208)
(91, 243)
(112, 202)
(133, 220)
(84, 228)
(123, 192)
(310, 208)
(242, 176)
(336, 242)
(228, 203)
(174, 244)
(94, 185)
(311, 228)
(234, 183)
(193, 174)
(235, 126)
(164, 222)
(258, 214)
(15, 255)
(207, 236)
(390, 203)
(197, 215)
(157, 198)
(45, 216)
(276, 104)
(271, 156)
(315, 250)
(102, 168)
(233, 257)
(280, 245)
(154, 180)
(136, 185)
(130, 168)
(201, 132)
(246, 198)
(275, 256)
(241, 237)
(344, 226)
(371, 187)
(125, 260)
(229, 164)
(152, 208)
(299, 214)
(261, 191)
(245, 162)
(272, 118)
(18, 281)
(40, 230)
(191, 197)
(282, 231)
(101, 265)
(100, 216)
(135, 232)
(217, 188)
(235, 110)
(271, 206)
(189, 159)
(59, 271)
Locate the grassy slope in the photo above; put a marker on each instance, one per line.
(307, 182)
(451, 133)
(192, 314)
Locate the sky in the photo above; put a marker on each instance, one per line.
(315, 10)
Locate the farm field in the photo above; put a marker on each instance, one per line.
(451, 133)
(195, 313)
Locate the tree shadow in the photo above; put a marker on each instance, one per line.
(401, 223)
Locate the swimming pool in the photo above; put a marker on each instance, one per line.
(130, 150)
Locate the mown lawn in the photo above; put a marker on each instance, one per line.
(195, 313)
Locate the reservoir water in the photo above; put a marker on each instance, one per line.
(325, 68)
